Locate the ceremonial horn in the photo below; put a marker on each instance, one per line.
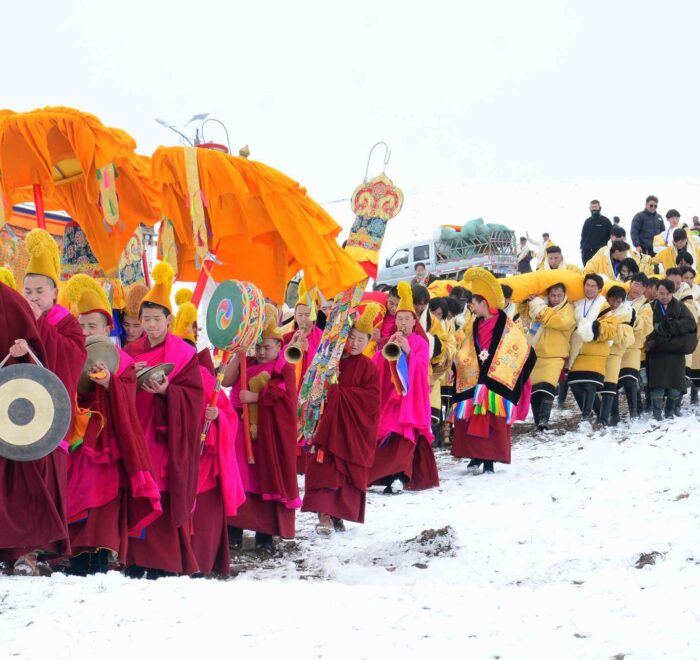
(293, 353)
(391, 351)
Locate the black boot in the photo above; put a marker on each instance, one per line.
(588, 401)
(657, 407)
(545, 412)
(80, 564)
(263, 541)
(235, 537)
(677, 406)
(648, 404)
(606, 405)
(536, 404)
(562, 391)
(488, 466)
(694, 394)
(615, 411)
(669, 407)
(474, 463)
(632, 394)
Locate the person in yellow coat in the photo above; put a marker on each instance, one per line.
(689, 276)
(555, 261)
(589, 345)
(667, 257)
(600, 262)
(642, 325)
(553, 323)
(620, 339)
(608, 264)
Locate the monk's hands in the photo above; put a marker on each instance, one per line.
(211, 413)
(248, 397)
(100, 374)
(300, 340)
(154, 387)
(401, 340)
(19, 349)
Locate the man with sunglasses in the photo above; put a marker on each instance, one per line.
(645, 225)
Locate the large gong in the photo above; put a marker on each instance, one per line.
(35, 412)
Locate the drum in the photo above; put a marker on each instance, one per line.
(235, 316)
(35, 412)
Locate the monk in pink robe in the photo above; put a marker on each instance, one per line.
(405, 437)
(170, 413)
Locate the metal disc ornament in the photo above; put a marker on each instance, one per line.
(35, 412)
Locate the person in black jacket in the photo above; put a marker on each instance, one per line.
(595, 232)
(645, 225)
(674, 336)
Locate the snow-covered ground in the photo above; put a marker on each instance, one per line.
(538, 562)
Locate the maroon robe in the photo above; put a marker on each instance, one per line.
(171, 423)
(33, 494)
(346, 440)
(112, 492)
(272, 491)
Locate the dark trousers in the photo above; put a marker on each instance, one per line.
(587, 254)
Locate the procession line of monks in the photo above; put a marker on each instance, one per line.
(135, 484)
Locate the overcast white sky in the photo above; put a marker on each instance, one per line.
(463, 91)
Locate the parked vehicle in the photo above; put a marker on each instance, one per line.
(449, 258)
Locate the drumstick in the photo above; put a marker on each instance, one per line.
(246, 414)
(215, 395)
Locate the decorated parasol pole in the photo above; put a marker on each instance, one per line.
(225, 359)
(374, 203)
(39, 206)
(246, 413)
(204, 275)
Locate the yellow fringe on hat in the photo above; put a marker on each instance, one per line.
(271, 329)
(44, 257)
(132, 300)
(365, 322)
(183, 296)
(87, 295)
(405, 298)
(7, 278)
(482, 283)
(163, 276)
(183, 325)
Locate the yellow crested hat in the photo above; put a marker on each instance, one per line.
(7, 278)
(482, 283)
(163, 276)
(405, 298)
(133, 298)
(271, 329)
(86, 295)
(44, 258)
(306, 297)
(365, 322)
(186, 317)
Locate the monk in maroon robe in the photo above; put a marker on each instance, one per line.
(40, 485)
(336, 474)
(170, 413)
(272, 492)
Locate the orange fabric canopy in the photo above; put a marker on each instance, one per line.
(64, 151)
(262, 224)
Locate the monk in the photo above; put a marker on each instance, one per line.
(272, 492)
(404, 455)
(63, 353)
(169, 409)
(219, 486)
(130, 320)
(306, 337)
(336, 475)
(112, 492)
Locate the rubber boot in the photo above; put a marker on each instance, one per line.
(648, 404)
(562, 391)
(536, 404)
(488, 466)
(677, 406)
(606, 404)
(669, 407)
(589, 400)
(694, 394)
(632, 394)
(615, 411)
(545, 411)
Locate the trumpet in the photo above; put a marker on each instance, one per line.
(391, 351)
(293, 353)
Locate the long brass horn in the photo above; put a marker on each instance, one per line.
(391, 351)
(293, 353)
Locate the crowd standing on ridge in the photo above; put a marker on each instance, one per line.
(137, 486)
